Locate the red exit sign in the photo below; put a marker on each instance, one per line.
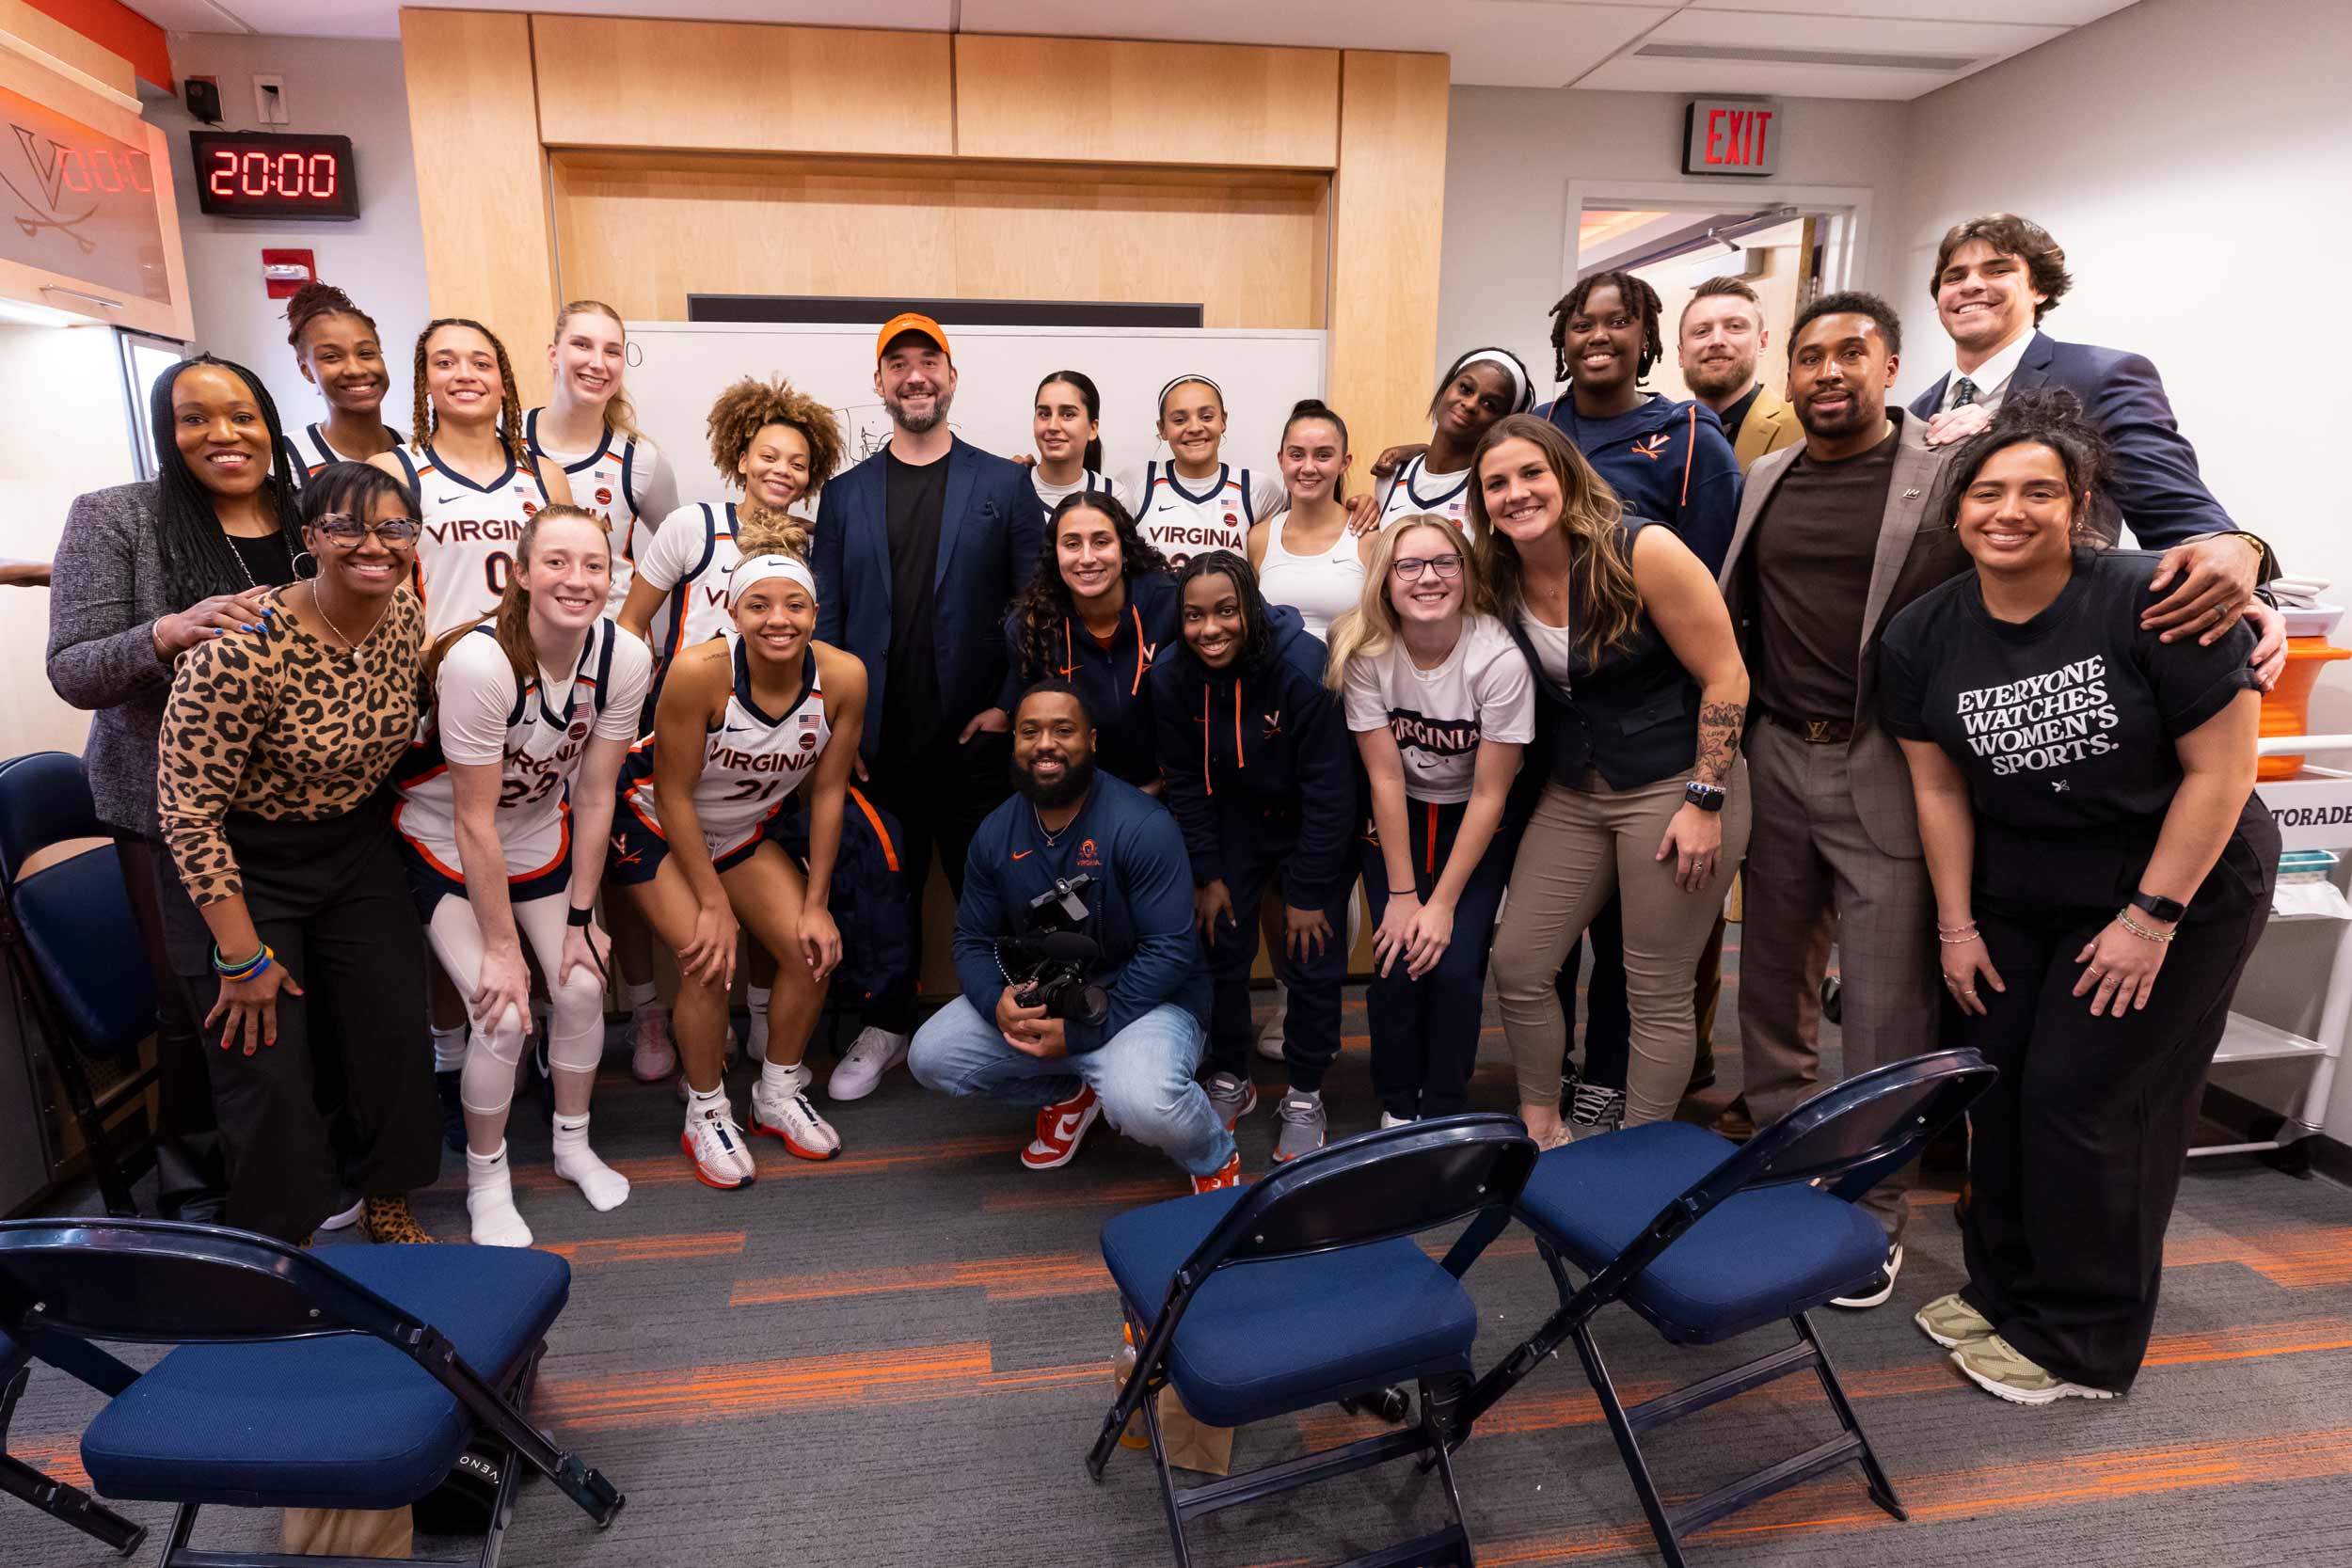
(1731, 135)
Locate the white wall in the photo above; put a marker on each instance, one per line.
(1511, 152)
(333, 86)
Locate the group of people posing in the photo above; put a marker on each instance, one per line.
(1553, 679)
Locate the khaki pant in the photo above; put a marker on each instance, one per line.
(1582, 847)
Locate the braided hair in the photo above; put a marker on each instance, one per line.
(315, 299)
(1257, 621)
(198, 561)
(510, 402)
(1044, 601)
(1637, 296)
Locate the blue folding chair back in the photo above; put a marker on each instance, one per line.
(299, 1380)
(1305, 1288)
(61, 1500)
(1708, 1240)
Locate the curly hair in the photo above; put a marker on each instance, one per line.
(315, 299)
(1634, 294)
(1604, 604)
(2011, 235)
(1044, 602)
(510, 402)
(2048, 416)
(750, 406)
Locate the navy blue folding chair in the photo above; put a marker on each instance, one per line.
(353, 1379)
(1707, 1238)
(61, 1500)
(1305, 1289)
(76, 949)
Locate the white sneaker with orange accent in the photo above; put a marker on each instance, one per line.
(785, 1112)
(1060, 1128)
(715, 1144)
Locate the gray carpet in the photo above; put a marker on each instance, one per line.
(898, 1358)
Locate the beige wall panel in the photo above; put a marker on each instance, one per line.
(482, 192)
(643, 230)
(1388, 223)
(734, 86)
(1227, 105)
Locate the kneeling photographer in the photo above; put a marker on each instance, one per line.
(1083, 992)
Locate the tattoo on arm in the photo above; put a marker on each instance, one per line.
(1719, 740)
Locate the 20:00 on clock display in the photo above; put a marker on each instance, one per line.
(271, 175)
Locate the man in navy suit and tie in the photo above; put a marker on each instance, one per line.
(1996, 277)
(919, 550)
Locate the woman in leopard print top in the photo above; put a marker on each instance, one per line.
(274, 748)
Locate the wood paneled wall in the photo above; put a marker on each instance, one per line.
(1388, 216)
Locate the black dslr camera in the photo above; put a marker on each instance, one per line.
(1047, 962)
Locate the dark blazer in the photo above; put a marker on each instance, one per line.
(2153, 487)
(989, 534)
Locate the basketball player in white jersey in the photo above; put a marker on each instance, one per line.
(476, 483)
(741, 724)
(1068, 429)
(588, 429)
(1476, 390)
(1195, 501)
(337, 350)
(506, 815)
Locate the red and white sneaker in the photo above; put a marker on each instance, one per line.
(1060, 1131)
(715, 1144)
(1227, 1175)
(651, 1057)
(789, 1117)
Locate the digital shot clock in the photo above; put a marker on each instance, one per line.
(258, 174)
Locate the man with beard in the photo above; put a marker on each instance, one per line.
(1721, 334)
(1829, 546)
(1069, 824)
(917, 551)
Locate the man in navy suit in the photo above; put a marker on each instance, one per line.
(918, 551)
(1996, 277)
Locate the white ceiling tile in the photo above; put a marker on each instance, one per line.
(2056, 13)
(188, 16)
(1779, 81)
(1861, 34)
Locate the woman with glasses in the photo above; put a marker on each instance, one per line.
(275, 745)
(1640, 698)
(1440, 704)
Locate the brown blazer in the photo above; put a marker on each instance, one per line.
(1915, 552)
(1771, 425)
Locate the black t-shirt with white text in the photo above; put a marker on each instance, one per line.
(2065, 726)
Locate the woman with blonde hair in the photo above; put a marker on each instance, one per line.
(1640, 698)
(1440, 702)
(588, 429)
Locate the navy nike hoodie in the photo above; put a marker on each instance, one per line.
(1665, 460)
(1114, 682)
(1244, 749)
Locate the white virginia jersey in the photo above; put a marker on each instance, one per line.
(689, 560)
(751, 762)
(1052, 495)
(547, 731)
(307, 451)
(604, 481)
(1413, 490)
(1181, 518)
(467, 550)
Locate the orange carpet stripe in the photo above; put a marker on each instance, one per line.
(1056, 1273)
(649, 1249)
(763, 1387)
(2298, 1259)
(61, 1458)
(673, 1169)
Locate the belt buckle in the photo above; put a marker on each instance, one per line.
(1817, 732)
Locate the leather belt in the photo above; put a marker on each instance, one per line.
(1812, 732)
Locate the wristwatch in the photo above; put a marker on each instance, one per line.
(1707, 796)
(2167, 909)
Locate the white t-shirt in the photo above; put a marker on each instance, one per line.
(1051, 496)
(1552, 646)
(1480, 692)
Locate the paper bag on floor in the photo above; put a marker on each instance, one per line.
(347, 1532)
(1193, 1445)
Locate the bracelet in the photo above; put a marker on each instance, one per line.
(582, 917)
(2124, 918)
(230, 974)
(1957, 936)
(1404, 892)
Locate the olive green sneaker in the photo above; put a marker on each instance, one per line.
(1993, 1365)
(1951, 1321)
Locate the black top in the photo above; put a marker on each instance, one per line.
(915, 499)
(1815, 546)
(1734, 416)
(266, 556)
(2064, 726)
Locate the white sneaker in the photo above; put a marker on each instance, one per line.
(1270, 1038)
(651, 1057)
(716, 1145)
(791, 1117)
(874, 1053)
(1874, 1291)
(346, 1220)
(1387, 1120)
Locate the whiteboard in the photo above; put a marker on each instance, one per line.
(677, 370)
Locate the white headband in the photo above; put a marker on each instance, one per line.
(1521, 393)
(759, 568)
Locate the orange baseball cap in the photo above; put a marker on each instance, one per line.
(911, 321)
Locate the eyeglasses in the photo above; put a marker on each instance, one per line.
(347, 531)
(1409, 569)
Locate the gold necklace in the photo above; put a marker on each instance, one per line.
(351, 643)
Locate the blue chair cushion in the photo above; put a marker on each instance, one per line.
(77, 921)
(340, 1421)
(1761, 1255)
(1264, 1339)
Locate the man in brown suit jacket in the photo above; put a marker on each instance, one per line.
(1830, 544)
(1718, 342)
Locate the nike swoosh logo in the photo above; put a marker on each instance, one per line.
(449, 501)
(1066, 1127)
(1022, 854)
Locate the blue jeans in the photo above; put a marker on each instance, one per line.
(1143, 1075)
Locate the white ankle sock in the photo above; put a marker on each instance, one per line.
(449, 1049)
(603, 1187)
(756, 997)
(780, 1081)
(490, 1201)
(698, 1102)
(635, 996)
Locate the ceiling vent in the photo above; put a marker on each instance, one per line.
(1941, 65)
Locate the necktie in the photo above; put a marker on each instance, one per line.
(1964, 392)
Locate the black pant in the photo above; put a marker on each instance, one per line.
(1425, 1032)
(940, 797)
(1608, 1019)
(1256, 848)
(2078, 1146)
(331, 899)
(191, 1175)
